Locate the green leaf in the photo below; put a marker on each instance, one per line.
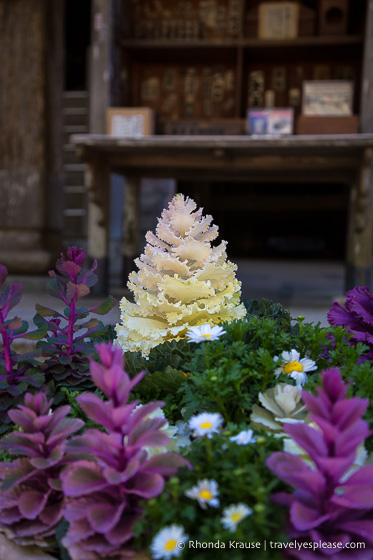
(104, 307)
(38, 334)
(46, 311)
(169, 381)
(22, 329)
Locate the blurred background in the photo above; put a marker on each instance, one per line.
(198, 65)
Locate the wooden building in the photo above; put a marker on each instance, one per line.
(200, 64)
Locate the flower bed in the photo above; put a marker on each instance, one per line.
(201, 427)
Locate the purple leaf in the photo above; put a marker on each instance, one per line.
(104, 517)
(76, 291)
(31, 503)
(166, 464)
(307, 438)
(146, 486)
(355, 497)
(84, 477)
(304, 518)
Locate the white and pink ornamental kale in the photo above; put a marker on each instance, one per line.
(182, 281)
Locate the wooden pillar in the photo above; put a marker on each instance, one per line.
(97, 180)
(100, 65)
(131, 224)
(55, 180)
(30, 173)
(366, 117)
(360, 227)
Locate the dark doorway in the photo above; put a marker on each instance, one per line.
(77, 40)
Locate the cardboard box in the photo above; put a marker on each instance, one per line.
(274, 122)
(328, 125)
(130, 122)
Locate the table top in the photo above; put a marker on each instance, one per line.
(106, 143)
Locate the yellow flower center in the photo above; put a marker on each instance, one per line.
(205, 495)
(236, 516)
(206, 425)
(207, 335)
(293, 366)
(170, 545)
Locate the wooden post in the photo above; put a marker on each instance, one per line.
(360, 227)
(366, 117)
(97, 180)
(54, 192)
(131, 224)
(25, 158)
(100, 65)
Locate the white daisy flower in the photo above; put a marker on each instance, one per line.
(295, 367)
(168, 542)
(205, 493)
(244, 437)
(205, 424)
(204, 332)
(233, 514)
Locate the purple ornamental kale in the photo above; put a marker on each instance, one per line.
(17, 371)
(357, 316)
(70, 334)
(31, 499)
(330, 505)
(105, 492)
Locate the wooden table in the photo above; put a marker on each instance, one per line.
(343, 159)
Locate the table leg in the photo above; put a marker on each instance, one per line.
(97, 181)
(360, 227)
(131, 224)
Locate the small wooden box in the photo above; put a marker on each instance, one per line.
(333, 17)
(327, 125)
(130, 122)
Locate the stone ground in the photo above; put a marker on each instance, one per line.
(305, 288)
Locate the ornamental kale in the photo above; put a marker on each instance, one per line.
(104, 493)
(31, 500)
(330, 504)
(66, 348)
(357, 316)
(17, 371)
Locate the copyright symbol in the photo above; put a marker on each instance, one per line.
(180, 545)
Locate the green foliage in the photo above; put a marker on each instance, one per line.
(165, 374)
(227, 375)
(242, 477)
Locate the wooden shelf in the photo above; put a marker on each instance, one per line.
(312, 41)
(179, 43)
(317, 40)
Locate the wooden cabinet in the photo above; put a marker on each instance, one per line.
(202, 59)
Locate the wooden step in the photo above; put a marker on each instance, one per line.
(75, 116)
(75, 99)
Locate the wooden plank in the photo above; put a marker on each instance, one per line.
(360, 226)
(220, 43)
(131, 219)
(366, 119)
(342, 142)
(231, 161)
